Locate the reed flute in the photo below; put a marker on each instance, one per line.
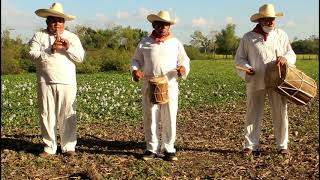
(57, 38)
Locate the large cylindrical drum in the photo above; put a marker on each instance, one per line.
(159, 90)
(290, 82)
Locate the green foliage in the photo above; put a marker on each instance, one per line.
(100, 60)
(111, 49)
(10, 54)
(192, 52)
(113, 95)
(204, 43)
(198, 39)
(227, 41)
(117, 37)
(307, 46)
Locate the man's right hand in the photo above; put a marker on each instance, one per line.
(250, 72)
(137, 75)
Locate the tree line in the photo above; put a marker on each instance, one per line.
(111, 49)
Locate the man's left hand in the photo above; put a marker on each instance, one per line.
(181, 70)
(61, 44)
(65, 43)
(281, 60)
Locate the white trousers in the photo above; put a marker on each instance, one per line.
(57, 110)
(166, 114)
(255, 108)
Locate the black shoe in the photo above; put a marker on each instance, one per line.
(170, 156)
(147, 155)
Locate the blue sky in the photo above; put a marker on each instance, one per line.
(300, 18)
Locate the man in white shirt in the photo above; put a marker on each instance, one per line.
(54, 51)
(160, 54)
(264, 44)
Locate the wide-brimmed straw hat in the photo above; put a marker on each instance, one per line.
(163, 16)
(55, 10)
(265, 11)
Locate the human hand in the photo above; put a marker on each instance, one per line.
(250, 72)
(60, 44)
(137, 75)
(65, 43)
(181, 71)
(281, 60)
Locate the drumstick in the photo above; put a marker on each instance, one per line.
(243, 69)
(279, 70)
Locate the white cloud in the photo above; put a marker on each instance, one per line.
(123, 15)
(141, 13)
(290, 24)
(199, 22)
(229, 20)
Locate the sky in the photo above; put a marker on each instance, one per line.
(300, 20)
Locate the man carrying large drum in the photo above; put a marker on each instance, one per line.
(263, 45)
(163, 60)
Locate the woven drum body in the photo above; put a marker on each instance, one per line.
(294, 84)
(159, 90)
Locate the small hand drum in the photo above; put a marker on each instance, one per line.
(159, 90)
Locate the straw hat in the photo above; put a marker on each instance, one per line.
(163, 16)
(55, 10)
(266, 10)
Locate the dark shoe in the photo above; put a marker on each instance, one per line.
(70, 153)
(284, 152)
(247, 152)
(44, 154)
(147, 155)
(170, 156)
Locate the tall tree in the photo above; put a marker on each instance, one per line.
(227, 41)
(212, 37)
(199, 41)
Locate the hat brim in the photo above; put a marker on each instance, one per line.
(48, 12)
(257, 16)
(152, 17)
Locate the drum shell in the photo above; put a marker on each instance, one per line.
(158, 90)
(294, 84)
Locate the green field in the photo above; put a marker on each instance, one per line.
(211, 112)
(106, 96)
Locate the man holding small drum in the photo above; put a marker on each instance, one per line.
(161, 56)
(264, 44)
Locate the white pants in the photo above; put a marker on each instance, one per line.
(153, 114)
(255, 108)
(57, 109)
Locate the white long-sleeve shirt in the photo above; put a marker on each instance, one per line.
(60, 66)
(254, 52)
(160, 58)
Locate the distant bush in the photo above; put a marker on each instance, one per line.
(10, 63)
(99, 60)
(306, 46)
